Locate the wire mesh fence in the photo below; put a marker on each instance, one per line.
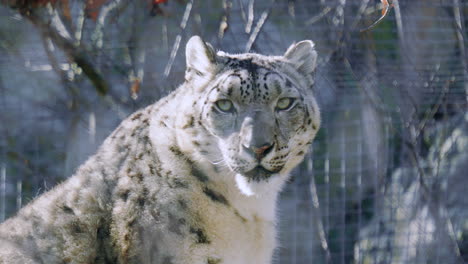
(385, 181)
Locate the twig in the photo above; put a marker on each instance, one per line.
(443, 147)
(223, 25)
(360, 13)
(72, 91)
(378, 104)
(318, 220)
(257, 29)
(385, 11)
(58, 24)
(399, 22)
(78, 55)
(242, 11)
(101, 20)
(435, 205)
(428, 194)
(250, 17)
(339, 17)
(2, 191)
(175, 47)
(319, 16)
(461, 43)
(430, 113)
(375, 101)
(80, 24)
(291, 8)
(136, 53)
(74, 54)
(453, 237)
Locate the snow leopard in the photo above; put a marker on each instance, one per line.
(192, 178)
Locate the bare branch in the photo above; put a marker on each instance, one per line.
(360, 13)
(319, 16)
(74, 54)
(223, 25)
(101, 20)
(399, 22)
(291, 8)
(71, 90)
(339, 17)
(2, 191)
(250, 17)
(242, 11)
(318, 219)
(137, 53)
(58, 24)
(256, 30)
(430, 113)
(461, 43)
(175, 47)
(80, 25)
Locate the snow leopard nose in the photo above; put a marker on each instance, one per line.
(257, 134)
(259, 151)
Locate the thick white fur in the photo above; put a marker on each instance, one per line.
(160, 190)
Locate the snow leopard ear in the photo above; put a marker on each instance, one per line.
(201, 60)
(303, 57)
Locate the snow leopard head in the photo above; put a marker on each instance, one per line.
(259, 110)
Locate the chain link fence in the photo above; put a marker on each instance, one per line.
(385, 180)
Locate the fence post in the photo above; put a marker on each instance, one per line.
(2, 191)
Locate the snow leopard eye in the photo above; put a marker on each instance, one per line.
(225, 105)
(284, 103)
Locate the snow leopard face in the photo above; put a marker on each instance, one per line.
(258, 109)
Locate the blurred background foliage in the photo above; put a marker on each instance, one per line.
(385, 181)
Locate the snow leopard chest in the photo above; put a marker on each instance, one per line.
(233, 233)
(222, 235)
(186, 216)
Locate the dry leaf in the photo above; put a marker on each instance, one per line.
(135, 89)
(93, 7)
(66, 9)
(385, 8)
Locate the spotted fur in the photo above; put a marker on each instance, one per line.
(183, 180)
